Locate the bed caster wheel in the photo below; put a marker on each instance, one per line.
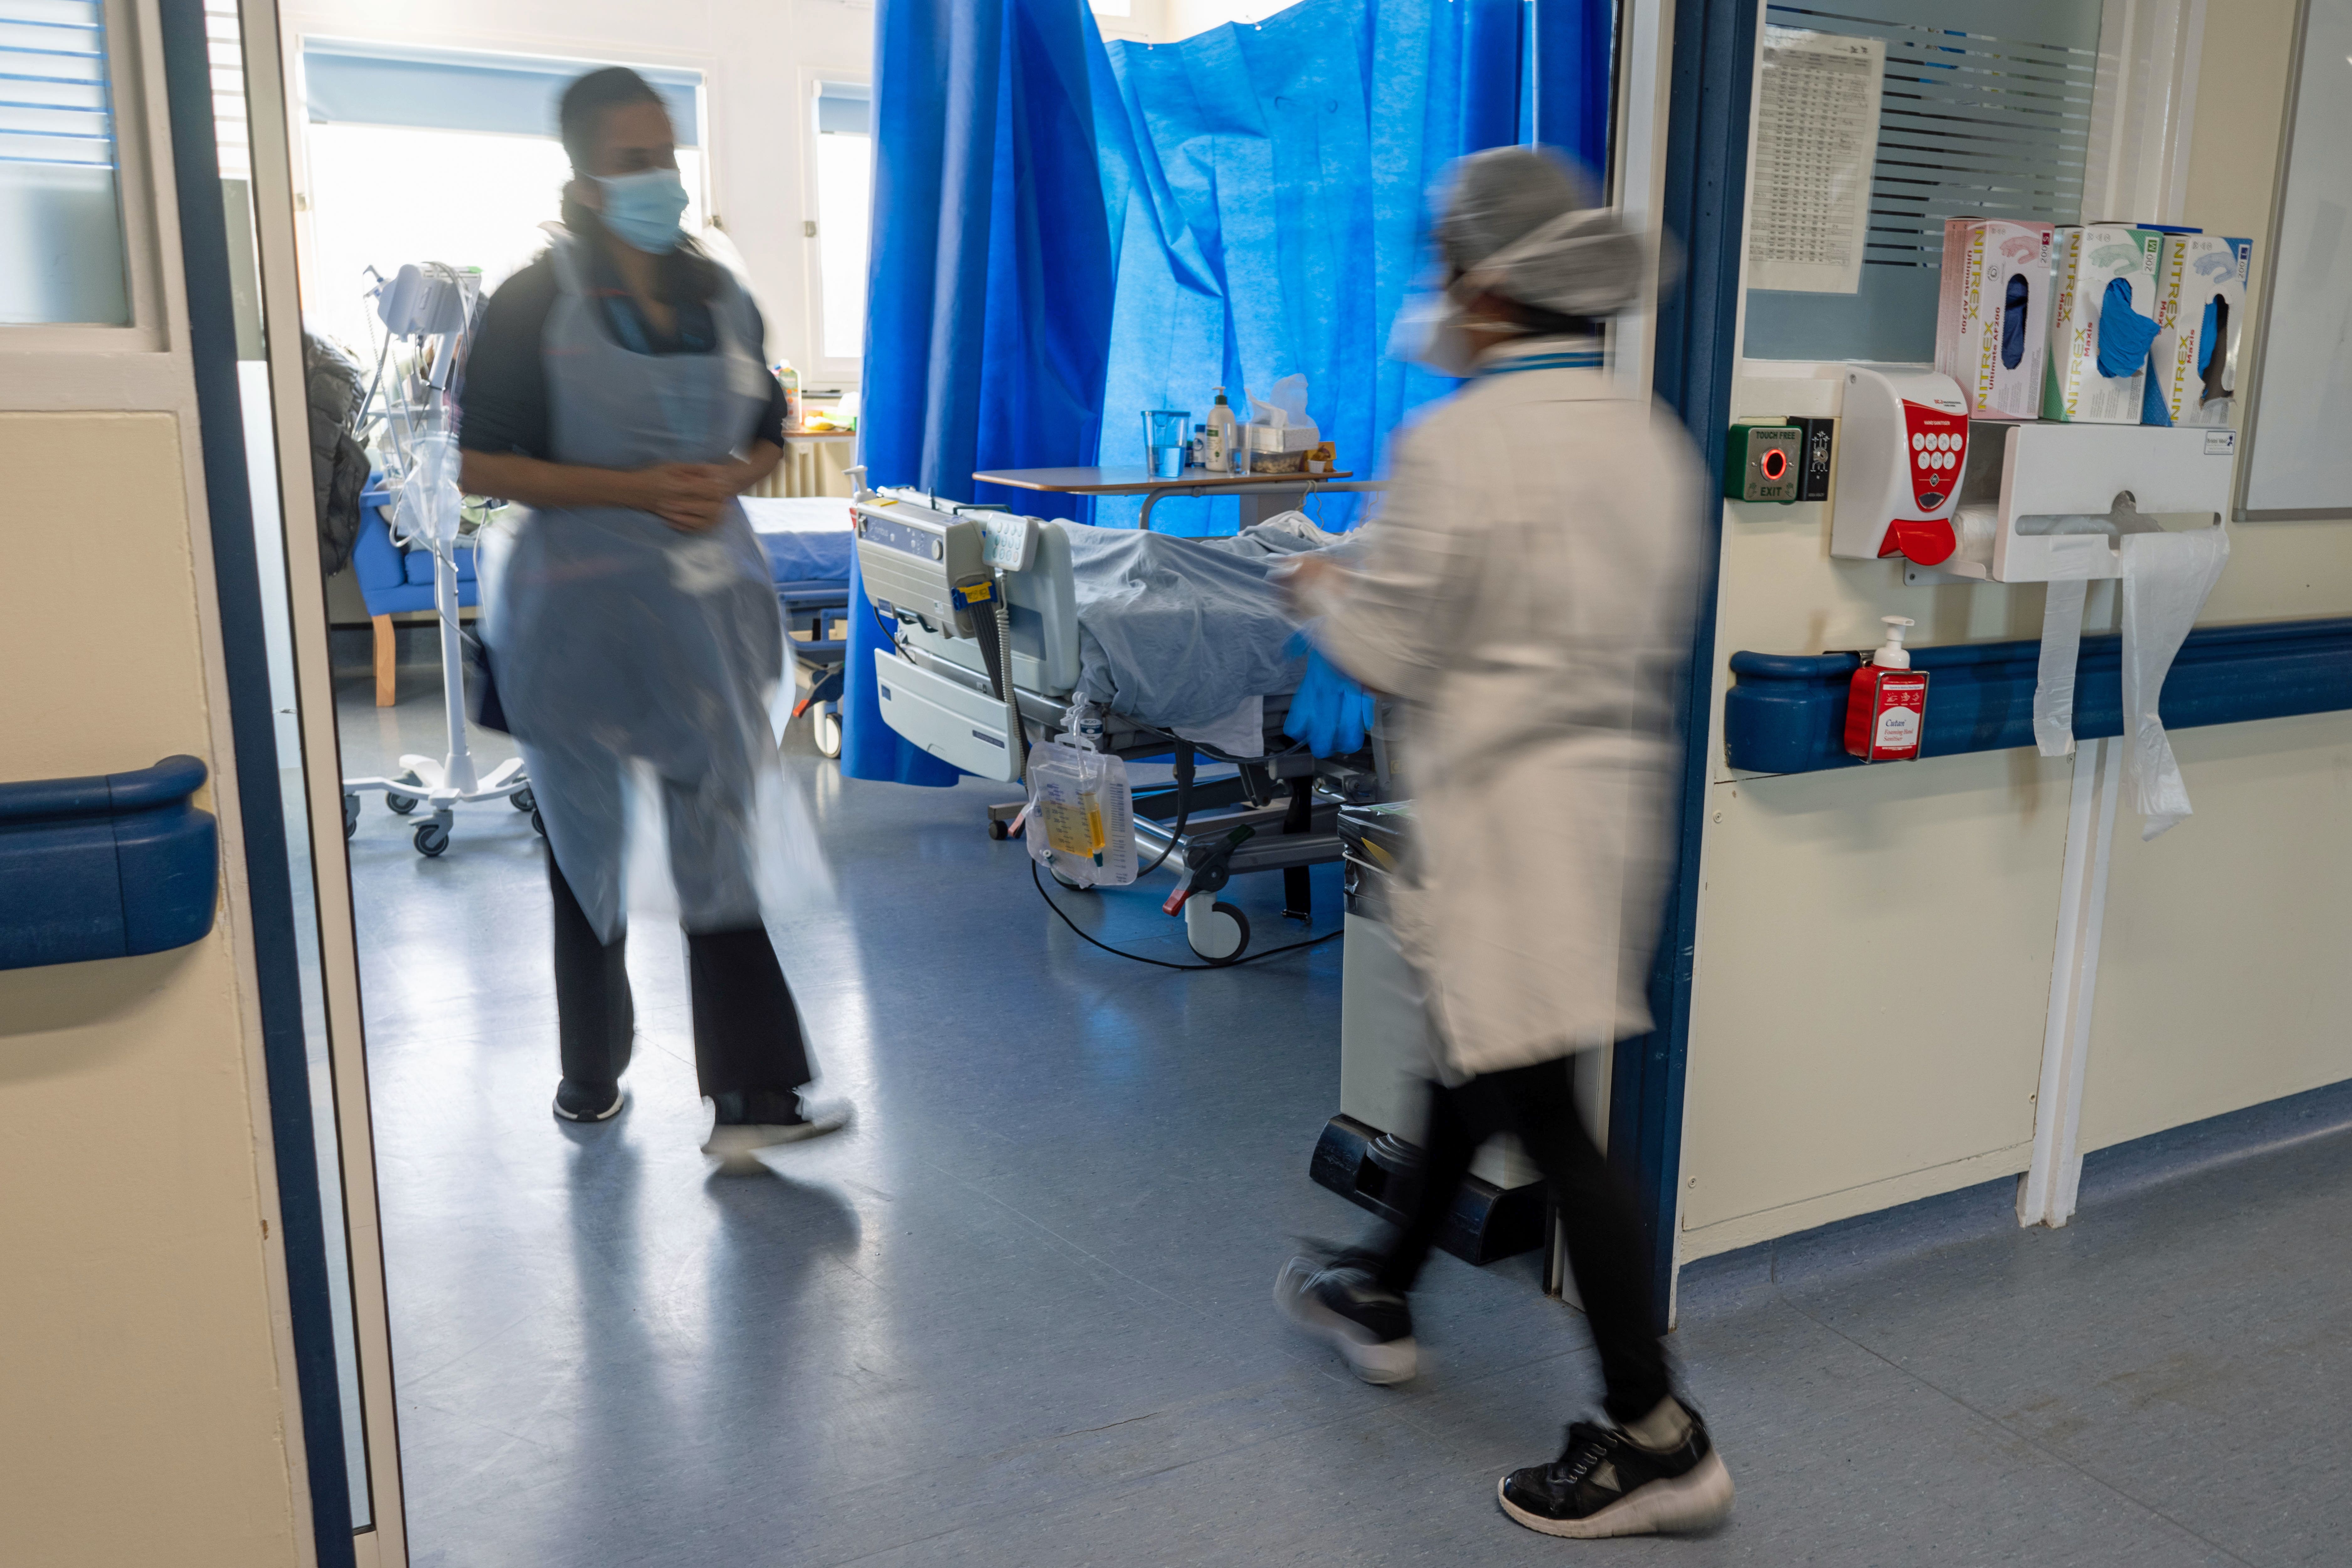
(402, 804)
(432, 839)
(1000, 831)
(1219, 933)
(351, 813)
(524, 800)
(537, 825)
(828, 734)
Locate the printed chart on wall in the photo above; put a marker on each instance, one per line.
(1816, 139)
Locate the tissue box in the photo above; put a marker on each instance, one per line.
(1284, 438)
(2086, 262)
(1280, 448)
(1985, 261)
(2199, 388)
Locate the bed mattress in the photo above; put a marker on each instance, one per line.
(807, 538)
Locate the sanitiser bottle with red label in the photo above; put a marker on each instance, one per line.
(1887, 705)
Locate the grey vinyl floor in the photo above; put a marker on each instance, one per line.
(1020, 1315)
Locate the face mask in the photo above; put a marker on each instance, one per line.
(643, 208)
(1429, 333)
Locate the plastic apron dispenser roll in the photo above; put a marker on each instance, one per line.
(2165, 580)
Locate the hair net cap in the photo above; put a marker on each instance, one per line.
(1505, 193)
(1521, 222)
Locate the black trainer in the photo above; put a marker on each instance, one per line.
(577, 1102)
(1605, 1483)
(744, 1121)
(1336, 1295)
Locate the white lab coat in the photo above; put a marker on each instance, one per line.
(1527, 591)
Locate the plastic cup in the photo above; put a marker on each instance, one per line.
(1166, 433)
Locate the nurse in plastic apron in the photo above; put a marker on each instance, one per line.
(615, 390)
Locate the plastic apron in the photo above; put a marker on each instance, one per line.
(619, 639)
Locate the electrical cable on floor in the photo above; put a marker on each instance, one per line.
(1183, 810)
(1175, 833)
(1161, 963)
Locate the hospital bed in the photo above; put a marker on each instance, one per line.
(809, 545)
(969, 593)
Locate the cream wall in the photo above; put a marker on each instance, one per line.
(1874, 946)
(759, 60)
(2222, 981)
(142, 1413)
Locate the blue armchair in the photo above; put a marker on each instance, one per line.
(393, 580)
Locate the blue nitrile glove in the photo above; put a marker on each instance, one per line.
(2124, 335)
(1330, 710)
(2012, 322)
(2153, 409)
(2209, 333)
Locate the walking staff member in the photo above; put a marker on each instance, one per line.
(617, 390)
(1526, 593)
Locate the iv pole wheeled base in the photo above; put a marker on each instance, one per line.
(449, 783)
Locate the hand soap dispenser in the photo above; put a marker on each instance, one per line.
(1886, 703)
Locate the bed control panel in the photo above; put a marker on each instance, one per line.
(927, 560)
(915, 558)
(1009, 544)
(931, 567)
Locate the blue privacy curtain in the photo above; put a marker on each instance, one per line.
(989, 286)
(1265, 184)
(1065, 234)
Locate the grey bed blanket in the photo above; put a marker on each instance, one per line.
(1177, 632)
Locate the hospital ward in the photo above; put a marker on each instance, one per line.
(1175, 783)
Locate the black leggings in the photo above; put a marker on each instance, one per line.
(1537, 1104)
(747, 1033)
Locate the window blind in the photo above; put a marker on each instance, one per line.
(53, 104)
(449, 90)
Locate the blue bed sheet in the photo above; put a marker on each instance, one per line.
(807, 539)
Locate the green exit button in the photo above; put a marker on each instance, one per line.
(1764, 462)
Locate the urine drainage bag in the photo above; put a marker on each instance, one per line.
(1081, 817)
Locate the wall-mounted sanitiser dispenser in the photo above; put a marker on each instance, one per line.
(1901, 452)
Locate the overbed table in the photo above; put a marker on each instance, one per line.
(1261, 496)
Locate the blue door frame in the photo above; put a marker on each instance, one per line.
(1704, 210)
(220, 418)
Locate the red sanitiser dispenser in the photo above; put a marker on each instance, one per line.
(1886, 703)
(1900, 456)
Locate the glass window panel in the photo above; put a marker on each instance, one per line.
(1985, 111)
(61, 251)
(844, 190)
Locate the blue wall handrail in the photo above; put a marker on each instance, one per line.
(107, 867)
(1786, 713)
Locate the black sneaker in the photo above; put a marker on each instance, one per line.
(576, 1101)
(1605, 1483)
(752, 1119)
(1335, 1295)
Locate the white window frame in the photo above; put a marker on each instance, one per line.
(822, 369)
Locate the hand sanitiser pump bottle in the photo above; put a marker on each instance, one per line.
(1220, 445)
(1887, 705)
